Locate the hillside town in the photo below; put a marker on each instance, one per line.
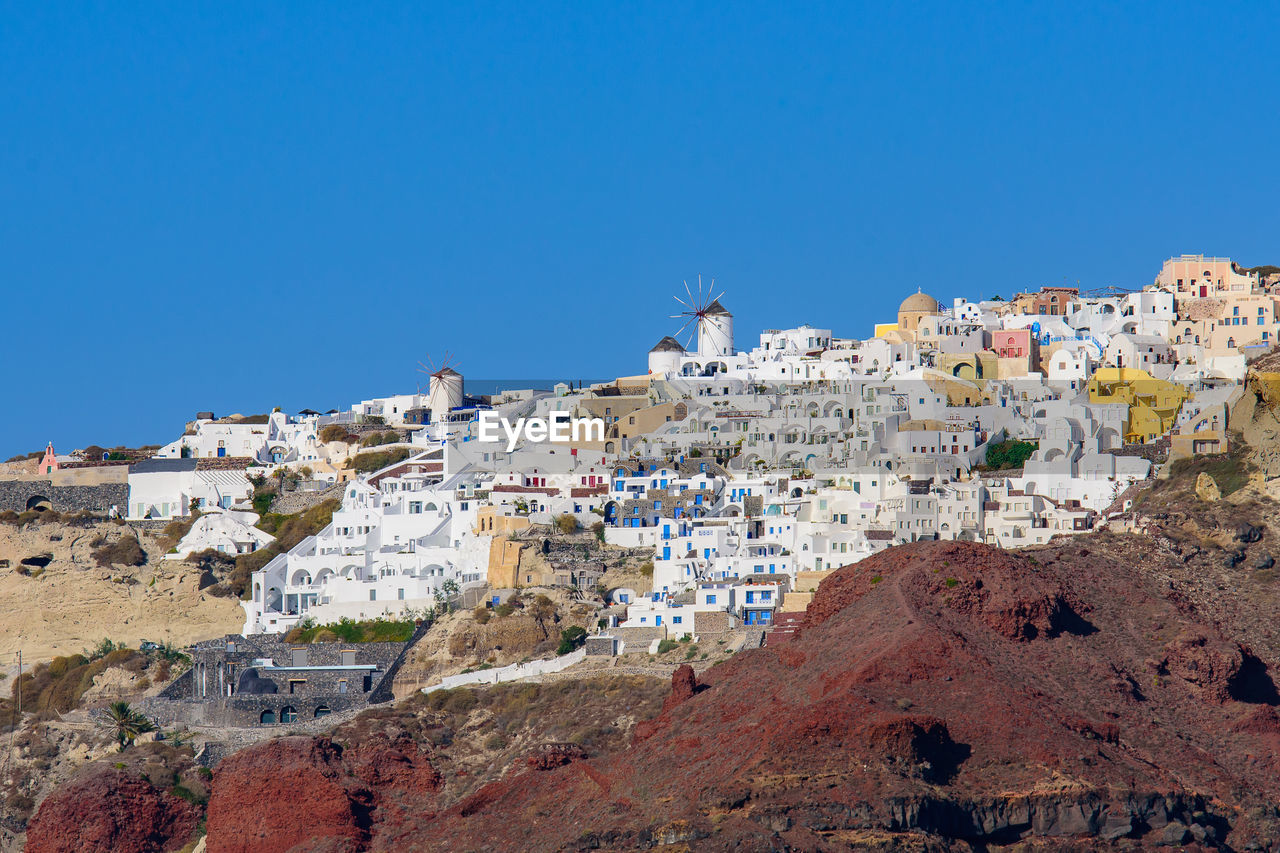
(746, 473)
(261, 576)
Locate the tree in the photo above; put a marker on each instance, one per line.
(445, 595)
(127, 722)
(566, 523)
(570, 639)
(543, 610)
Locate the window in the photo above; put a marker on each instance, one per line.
(342, 686)
(295, 686)
(711, 599)
(288, 714)
(373, 595)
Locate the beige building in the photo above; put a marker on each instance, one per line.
(518, 564)
(913, 309)
(492, 521)
(1198, 276)
(1220, 307)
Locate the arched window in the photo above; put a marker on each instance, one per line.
(268, 718)
(322, 711)
(288, 714)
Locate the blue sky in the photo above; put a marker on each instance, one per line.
(235, 206)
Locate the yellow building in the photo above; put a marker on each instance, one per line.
(493, 521)
(883, 329)
(1153, 403)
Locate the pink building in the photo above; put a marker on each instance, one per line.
(1196, 276)
(1017, 344)
(48, 462)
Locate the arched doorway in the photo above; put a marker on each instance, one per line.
(39, 503)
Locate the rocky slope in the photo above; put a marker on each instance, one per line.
(63, 601)
(151, 798)
(942, 696)
(460, 641)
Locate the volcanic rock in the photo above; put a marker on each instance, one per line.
(293, 790)
(105, 810)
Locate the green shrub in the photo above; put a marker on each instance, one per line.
(289, 530)
(185, 793)
(460, 700)
(567, 523)
(665, 646)
(571, 638)
(1010, 453)
(351, 631)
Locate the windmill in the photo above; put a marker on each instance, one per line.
(444, 386)
(704, 316)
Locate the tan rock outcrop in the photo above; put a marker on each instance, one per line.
(72, 603)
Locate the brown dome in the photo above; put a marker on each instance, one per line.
(919, 302)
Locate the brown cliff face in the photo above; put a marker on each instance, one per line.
(937, 696)
(312, 794)
(106, 810)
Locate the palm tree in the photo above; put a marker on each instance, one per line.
(127, 722)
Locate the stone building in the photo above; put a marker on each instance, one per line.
(261, 680)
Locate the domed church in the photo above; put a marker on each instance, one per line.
(913, 309)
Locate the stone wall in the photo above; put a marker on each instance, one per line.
(712, 622)
(638, 639)
(1155, 452)
(383, 691)
(513, 672)
(16, 494)
(246, 711)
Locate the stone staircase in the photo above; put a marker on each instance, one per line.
(785, 626)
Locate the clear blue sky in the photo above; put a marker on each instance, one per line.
(233, 206)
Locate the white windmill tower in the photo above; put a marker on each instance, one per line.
(710, 320)
(444, 387)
